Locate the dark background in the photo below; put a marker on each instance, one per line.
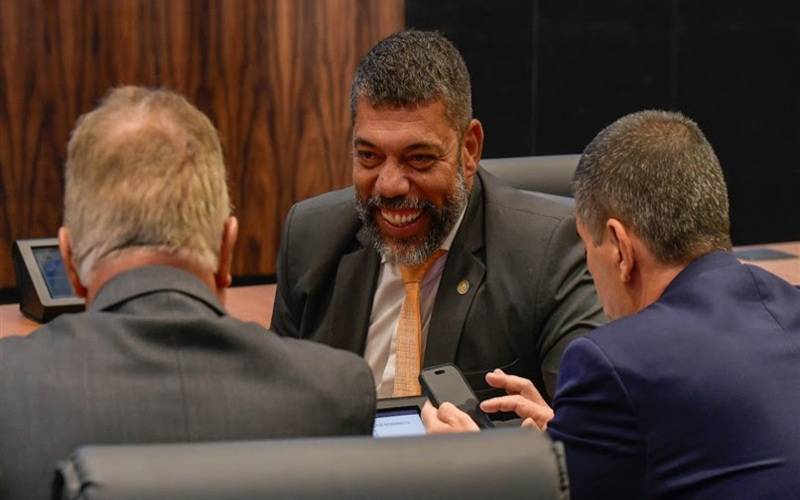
(274, 76)
(547, 75)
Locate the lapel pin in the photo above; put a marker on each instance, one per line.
(463, 287)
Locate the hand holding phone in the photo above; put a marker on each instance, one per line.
(446, 383)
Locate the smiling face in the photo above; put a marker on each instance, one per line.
(412, 175)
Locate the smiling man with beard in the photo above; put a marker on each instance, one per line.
(429, 259)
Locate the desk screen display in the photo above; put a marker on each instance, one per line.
(399, 422)
(55, 276)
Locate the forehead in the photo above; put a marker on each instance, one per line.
(400, 124)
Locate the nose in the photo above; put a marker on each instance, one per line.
(392, 180)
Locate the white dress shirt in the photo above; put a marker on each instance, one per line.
(389, 297)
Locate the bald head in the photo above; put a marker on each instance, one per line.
(144, 171)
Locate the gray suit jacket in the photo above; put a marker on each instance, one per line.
(529, 292)
(156, 359)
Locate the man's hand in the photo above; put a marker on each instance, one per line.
(523, 399)
(447, 419)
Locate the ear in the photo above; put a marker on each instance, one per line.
(230, 231)
(65, 247)
(621, 240)
(471, 149)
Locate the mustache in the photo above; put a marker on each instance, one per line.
(399, 202)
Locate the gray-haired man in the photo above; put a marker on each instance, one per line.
(147, 239)
(504, 280)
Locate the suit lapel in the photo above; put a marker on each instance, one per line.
(464, 265)
(353, 291)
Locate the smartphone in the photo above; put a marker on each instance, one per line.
(446, 383)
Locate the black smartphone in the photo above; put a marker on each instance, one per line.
(446, 383)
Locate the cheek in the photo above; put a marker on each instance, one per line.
(604, 292)
(364, 181)
(615, 303)
(435, 188)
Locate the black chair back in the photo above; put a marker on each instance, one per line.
(507, 463)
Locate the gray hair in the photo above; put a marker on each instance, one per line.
(410, 68)
(145, 171)
(656, 172)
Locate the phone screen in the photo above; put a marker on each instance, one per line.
(398, 422)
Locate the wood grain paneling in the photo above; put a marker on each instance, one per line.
(273, 75)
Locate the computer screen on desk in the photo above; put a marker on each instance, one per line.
(52, 268)
(42, 282)
(399, 417)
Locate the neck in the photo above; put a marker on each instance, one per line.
(108, 268)
(652, 280)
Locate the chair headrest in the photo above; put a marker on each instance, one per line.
(516, 463)
(544, 174)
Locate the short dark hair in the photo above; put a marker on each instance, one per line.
(656, 172)
(411, 68)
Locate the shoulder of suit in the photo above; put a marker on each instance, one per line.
(500, 196)
(323, 226)
(48, 345)
(288, 349)
(330, 370)
(341, 199)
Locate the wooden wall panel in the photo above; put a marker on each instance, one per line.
(273, 75)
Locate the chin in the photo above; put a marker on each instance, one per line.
(406, 252)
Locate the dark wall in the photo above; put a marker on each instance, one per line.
(273, 75)
(548, 75)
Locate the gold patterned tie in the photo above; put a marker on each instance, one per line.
(408, 353)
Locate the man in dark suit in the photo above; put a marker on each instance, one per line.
(147, 239)
(692, 392)
(506, 282)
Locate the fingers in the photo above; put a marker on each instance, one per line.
(447, 419)
(540, 413)
(514, 403)
(456, 418)
(514, 385)
(428, 415)
(530, 423)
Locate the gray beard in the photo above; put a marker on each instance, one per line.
(414, 251)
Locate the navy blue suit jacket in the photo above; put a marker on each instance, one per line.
(696, 396)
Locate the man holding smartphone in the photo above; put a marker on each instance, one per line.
(692, 390)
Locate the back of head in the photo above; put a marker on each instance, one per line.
(144, 171)
(413, 67)
(656, 172)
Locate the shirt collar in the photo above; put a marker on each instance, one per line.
(151, 279)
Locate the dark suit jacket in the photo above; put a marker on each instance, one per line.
(156, 359)
(529, 292)
(697, 396)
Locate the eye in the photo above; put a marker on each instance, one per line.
(421, 161)
(368, 158)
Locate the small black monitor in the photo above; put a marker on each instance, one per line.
(44, 289)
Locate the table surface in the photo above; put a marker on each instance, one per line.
(788, 269)
(254, 303)
(248, 303)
